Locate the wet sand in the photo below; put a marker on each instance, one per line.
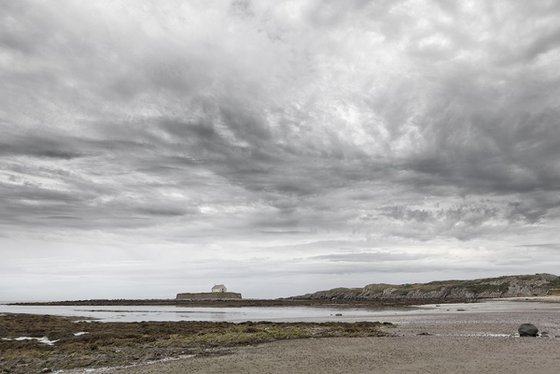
(418, 354)
(459, 341)
(447, 338)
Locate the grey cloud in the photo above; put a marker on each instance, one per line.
(325, 118)
(360, 257)
(165, 211)
(38, 146)
(553, 246)
(469, 219)
(544, 44)
(262, 166)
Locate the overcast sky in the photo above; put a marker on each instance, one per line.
(278, 147)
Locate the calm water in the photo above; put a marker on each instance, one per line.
(290, 314)
(172, 313)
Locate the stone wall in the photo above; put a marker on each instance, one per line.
(208, 296)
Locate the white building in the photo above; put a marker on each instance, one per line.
(219, 288)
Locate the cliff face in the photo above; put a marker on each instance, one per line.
(507, 286)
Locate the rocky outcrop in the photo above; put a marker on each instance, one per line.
(507, 286)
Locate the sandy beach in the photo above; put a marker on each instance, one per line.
(418, 354)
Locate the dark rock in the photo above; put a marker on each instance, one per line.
(338, 314)
(528, 329)
(424, 334)
(46, 370)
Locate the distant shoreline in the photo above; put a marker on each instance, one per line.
(249, 302)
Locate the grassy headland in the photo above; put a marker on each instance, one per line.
(442, 291)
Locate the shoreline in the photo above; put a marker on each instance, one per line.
(540, 299)
(112, 347)
(240, 303)
(350, 303)
(460, 342)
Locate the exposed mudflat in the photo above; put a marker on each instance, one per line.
(453, 341)
(446, 338)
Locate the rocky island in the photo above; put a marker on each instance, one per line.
(218, 292)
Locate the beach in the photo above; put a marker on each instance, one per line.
(418, 354)
(449, 340)
(455, 338)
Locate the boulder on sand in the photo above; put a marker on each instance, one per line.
(528, 329)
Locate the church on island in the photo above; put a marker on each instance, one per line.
(219, 288)
(218, 292)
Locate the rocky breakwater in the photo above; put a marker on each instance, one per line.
(506, 286)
